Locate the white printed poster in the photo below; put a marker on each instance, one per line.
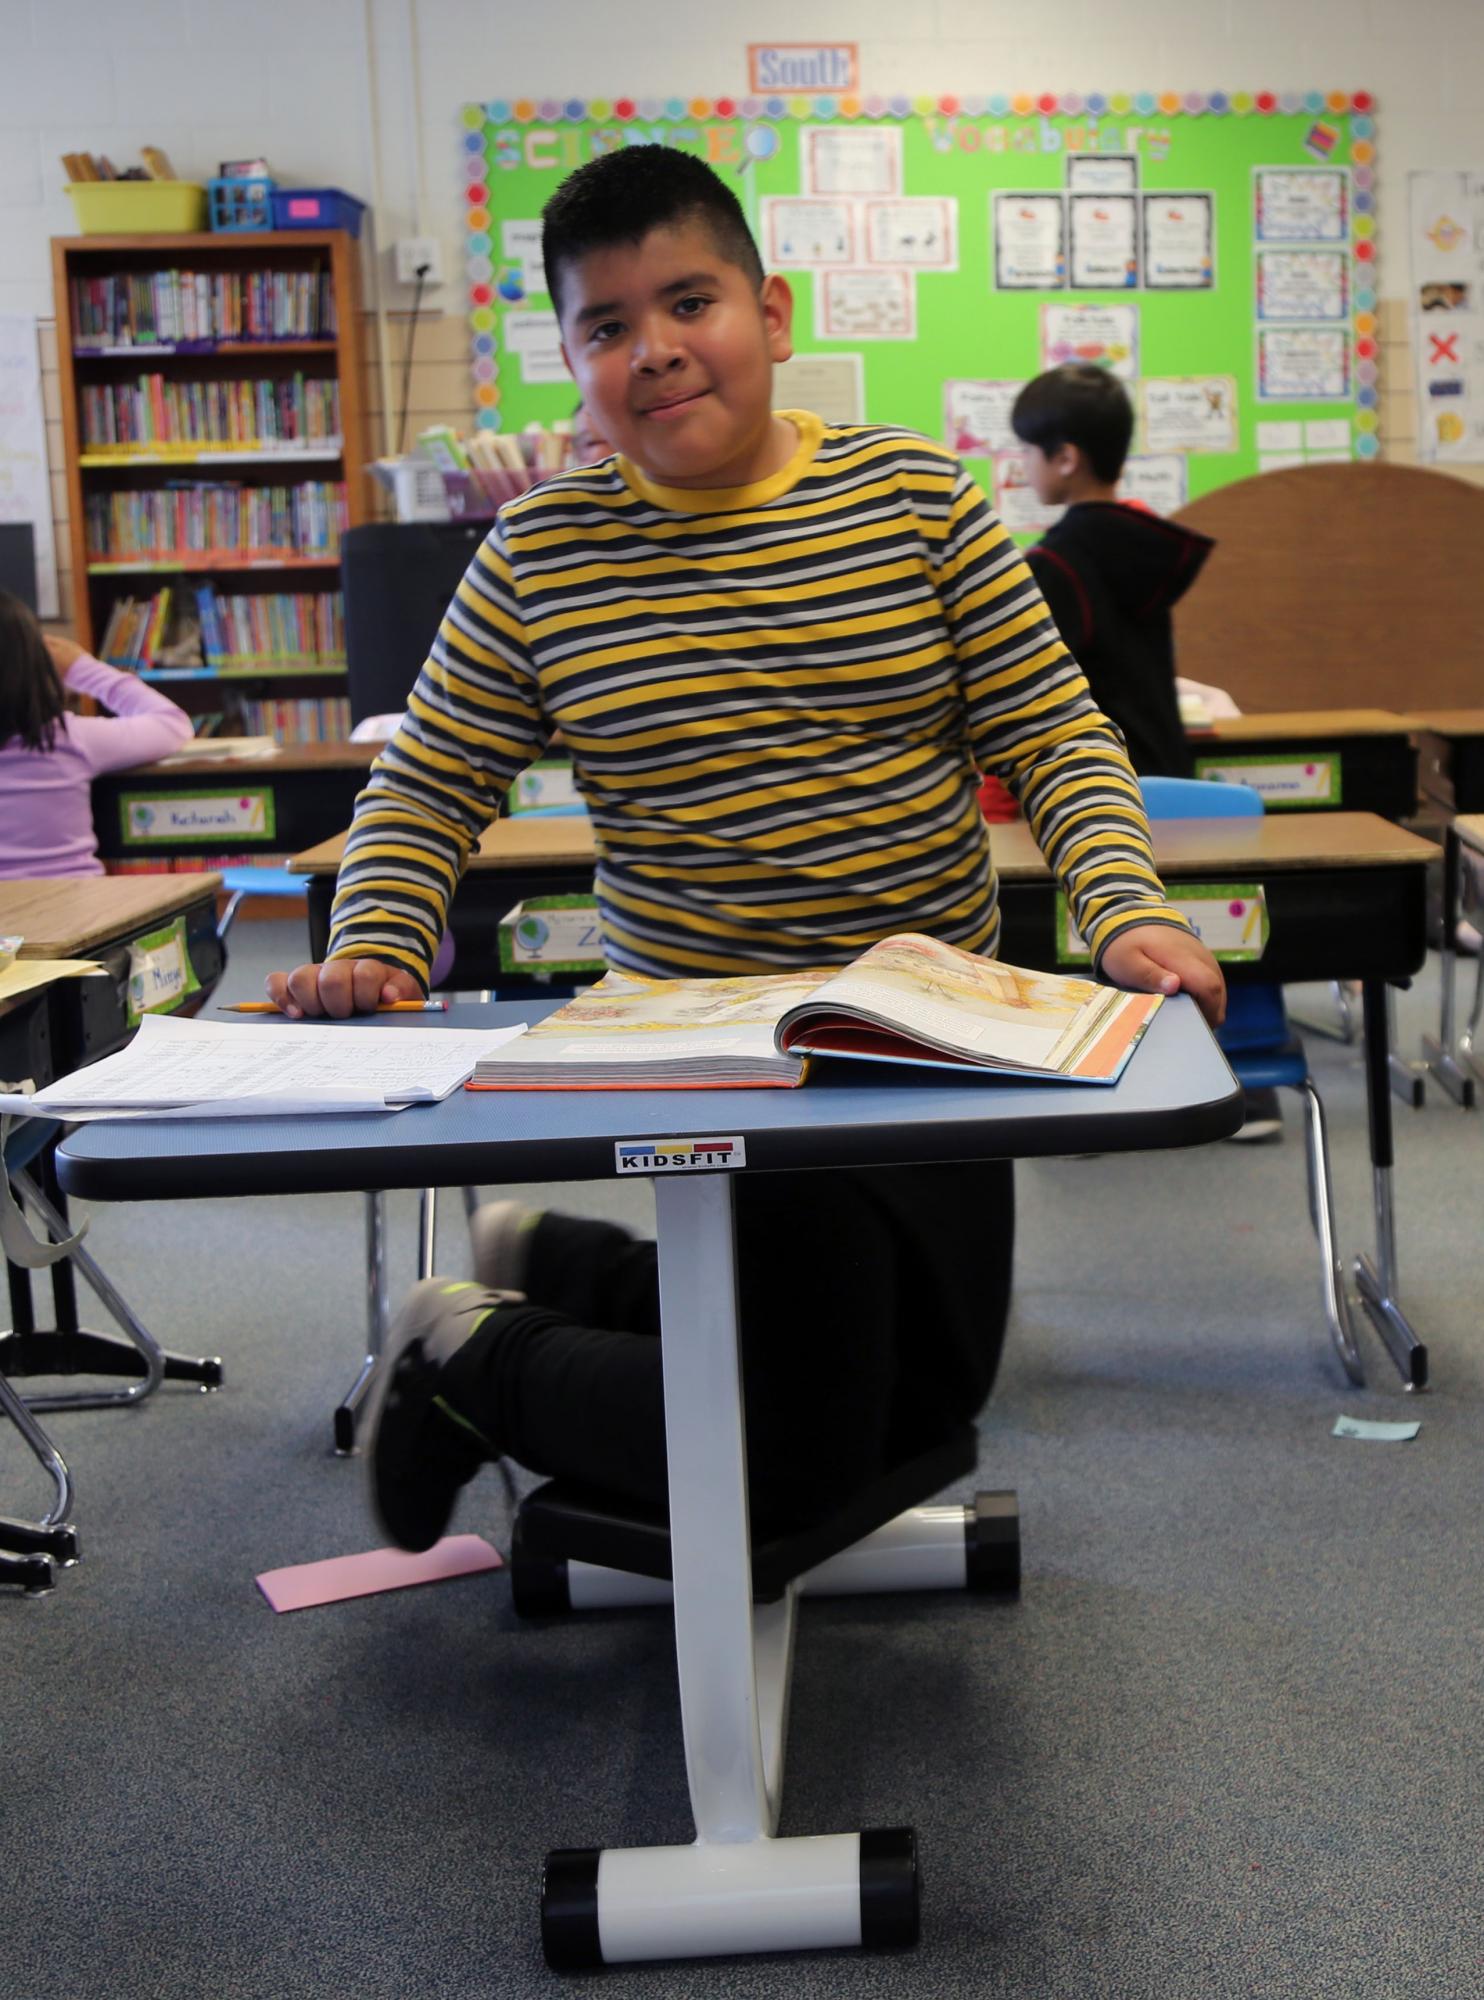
(536, 339)
(25, 480)
(1159, 481)
(1015, 498)
(921, 234)
(866, 305)
(1104, 231)
(1107, 336)
(1103, 173)
(832, 385)
(851, 160)
(1303, 364)
(1302, 205)
(521, 244)
(1179, 242)
(1303, 285)
(1447, 230)
(801, 234)
(1189, 413)
(976, 417)
(1030, 242)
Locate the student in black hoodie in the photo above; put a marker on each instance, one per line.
(1110, 569)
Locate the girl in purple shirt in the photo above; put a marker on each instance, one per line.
(49, 758)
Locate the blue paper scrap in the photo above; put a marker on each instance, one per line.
(1357, 1427)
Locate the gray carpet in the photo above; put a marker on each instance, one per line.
(1224, 1746)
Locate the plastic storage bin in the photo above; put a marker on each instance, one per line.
(138, 208)
(317, 208)
(241, 203)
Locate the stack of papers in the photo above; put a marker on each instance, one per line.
(177, 1068)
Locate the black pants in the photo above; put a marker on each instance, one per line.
(872, 1307)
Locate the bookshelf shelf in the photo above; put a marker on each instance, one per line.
(235, 288)
(123, 458)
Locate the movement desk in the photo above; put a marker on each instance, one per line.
(739, 1887)
(194, 806)
(1316, 760)
(45, 1035)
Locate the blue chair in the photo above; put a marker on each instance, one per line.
(1265, 1054)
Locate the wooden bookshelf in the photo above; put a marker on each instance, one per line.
(92, 469)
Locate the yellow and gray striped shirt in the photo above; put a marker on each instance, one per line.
(776, 698)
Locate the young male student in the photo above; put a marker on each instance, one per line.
(775, 650)
(1109, 570)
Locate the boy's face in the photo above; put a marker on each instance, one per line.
(1052, 476)
(673, 348)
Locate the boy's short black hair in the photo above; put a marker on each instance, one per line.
(1081, 405)
(619, 197)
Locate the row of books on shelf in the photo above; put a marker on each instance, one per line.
(152, 308)
(306, 720)
(214, 631)
(193, 864)
(249, 415)
(217, 518)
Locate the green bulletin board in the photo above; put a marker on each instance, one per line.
(1216, 251)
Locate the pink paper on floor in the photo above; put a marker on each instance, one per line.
(332, 1581)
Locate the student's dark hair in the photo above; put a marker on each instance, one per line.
(1081, 405)
(619, 197)
(30, 687)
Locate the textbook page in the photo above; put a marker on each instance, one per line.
(233, 1068)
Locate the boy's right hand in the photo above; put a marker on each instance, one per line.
(340, 987)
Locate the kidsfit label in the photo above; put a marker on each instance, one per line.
(678, 1156)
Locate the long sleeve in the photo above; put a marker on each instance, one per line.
(143, 724)
(473, 723)
(1032, 722)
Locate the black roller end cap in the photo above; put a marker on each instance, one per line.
(538, 1585)
(889, 1906)
(569, 1909)
(992, 1544)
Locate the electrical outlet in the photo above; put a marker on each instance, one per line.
(412, 251)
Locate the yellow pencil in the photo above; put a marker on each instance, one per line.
(386, 1007)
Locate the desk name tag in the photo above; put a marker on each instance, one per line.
(1290, 783)
(160, 972)
(557, 933)
(679, 1156)
(1230, 919)
(151, 819)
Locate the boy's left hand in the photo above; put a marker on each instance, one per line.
(1158, 958)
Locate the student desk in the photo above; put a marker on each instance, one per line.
(193, 806)
(45, 1035)
(516, 858)
(1347, 899)
(739, 1887)
(1451, 744)
(1455, 1059)
(1316, 760)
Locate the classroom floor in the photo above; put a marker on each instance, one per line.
(1225, 1747)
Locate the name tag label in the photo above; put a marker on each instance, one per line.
(155, 819)
(160, 972)
(679, 1156)
(1289, 783)
(552, 934)
(1229, 918)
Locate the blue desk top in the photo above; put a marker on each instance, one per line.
(1176, 1091)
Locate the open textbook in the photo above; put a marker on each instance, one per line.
(907, 999)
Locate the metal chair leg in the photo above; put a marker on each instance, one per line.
(53, 1536)
(427, 1232)
(1322, 1215)
(80, 1349)
(378, 1313)
(1466, 1040)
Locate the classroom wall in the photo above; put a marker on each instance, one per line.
(364, 94)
